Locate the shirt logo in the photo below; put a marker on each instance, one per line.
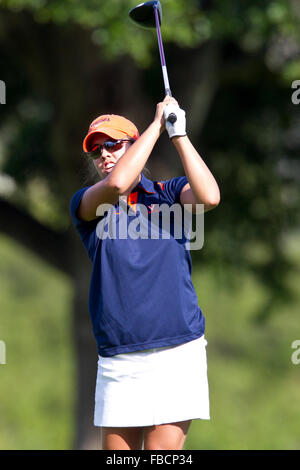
(152, 208)
(173, 222)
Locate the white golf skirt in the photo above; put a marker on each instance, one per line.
(153, 386)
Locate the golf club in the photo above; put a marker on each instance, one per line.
(149, 15)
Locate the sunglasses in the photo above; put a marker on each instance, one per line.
(111, 145)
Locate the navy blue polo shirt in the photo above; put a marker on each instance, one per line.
(141, 293)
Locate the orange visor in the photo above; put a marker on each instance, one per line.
(116, 127)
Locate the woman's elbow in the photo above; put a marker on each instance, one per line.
(214, 200)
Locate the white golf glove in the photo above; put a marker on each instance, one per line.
(178, 127)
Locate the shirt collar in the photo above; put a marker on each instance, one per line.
(146, 184)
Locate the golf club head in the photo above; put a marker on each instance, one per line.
(143, 14)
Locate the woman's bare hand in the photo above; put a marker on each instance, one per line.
(159, 115)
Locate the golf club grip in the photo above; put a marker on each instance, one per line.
(172, 118)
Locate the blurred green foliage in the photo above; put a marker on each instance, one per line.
(254, 386)
(187, 24)
(248, 136)
(36, 391)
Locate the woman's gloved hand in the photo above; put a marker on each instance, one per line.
(177, 128)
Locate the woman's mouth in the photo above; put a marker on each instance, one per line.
(109, 166)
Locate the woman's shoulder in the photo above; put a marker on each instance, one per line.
(76, 199)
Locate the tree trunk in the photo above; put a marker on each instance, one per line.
(87, 436)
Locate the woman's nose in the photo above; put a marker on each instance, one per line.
(105, 153)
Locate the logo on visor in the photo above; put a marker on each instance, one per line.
(95, 124)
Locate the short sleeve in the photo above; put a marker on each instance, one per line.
(173, 188)
(74, 205)
(86, 229)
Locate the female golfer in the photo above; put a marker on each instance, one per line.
(152, 373)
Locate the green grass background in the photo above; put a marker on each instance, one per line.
(254, 386)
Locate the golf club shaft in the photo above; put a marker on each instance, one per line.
(162, 55)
